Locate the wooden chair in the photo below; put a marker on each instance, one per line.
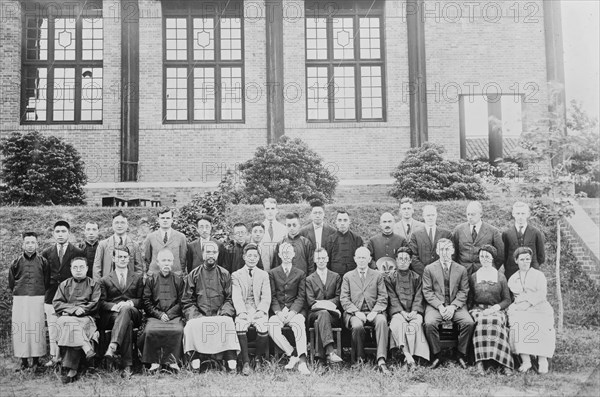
(337, 332)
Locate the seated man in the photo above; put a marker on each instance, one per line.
(364, 300)
(120, 302)
(251, 296)
(161, 342)
(445, 288)
(288, 296)
(208, 309)
(323, 298)
(75, 303)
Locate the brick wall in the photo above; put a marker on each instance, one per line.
(589, 262)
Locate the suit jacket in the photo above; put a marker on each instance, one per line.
(177, 243)
(103, 261)
(288, 291)
(304, 254)
(532, 238)
(315, 290)
(414, 225)
(59, 271)
(433, 285)
(261, 289)
(423, 249)
(268, 243)
(308, 231)
(354, 293)
(194, 254)
(466, 251)
(112, 293)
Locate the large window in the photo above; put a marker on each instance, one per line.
(62, 66)
(203, 61)
(345, 76)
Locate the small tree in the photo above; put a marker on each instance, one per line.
(426, 175)
(41, 170)
(214, 204)
(289, 171)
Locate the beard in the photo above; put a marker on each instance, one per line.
(210, 263)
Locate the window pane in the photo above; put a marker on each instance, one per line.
(204, 94)
(476, 116)
(370, 41)
(231, 39)
(37, 39)
(231, 94)
(64, 39)
(371, 90)
(36, 81)
(512, 117)
(204, 39)
(317, 84)
(91, 39)
(176, 38)
(176, 85)
(343, 38)
(64, 94)
(316, 38)
(91, 94)
(344, 95)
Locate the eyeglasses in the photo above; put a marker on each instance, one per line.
(121, 257)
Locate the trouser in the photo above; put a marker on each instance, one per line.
(466, 326)
(122, 323)
(298, 325)
(71, 357)
(53, 331)
(262, 337)
(357, 327)
(322, 322)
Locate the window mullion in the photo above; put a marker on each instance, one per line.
(50, 71)
(217, 73)
(357, 70)
(190, 68)
(330, 70)
(78, 70)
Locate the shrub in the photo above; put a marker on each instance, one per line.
(426, 175)
(214, 204)
(288, 171)
(41, 170)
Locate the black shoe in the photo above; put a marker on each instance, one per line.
(462, 363)
(435, 363)
(69, 379)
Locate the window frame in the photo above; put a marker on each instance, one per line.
(330, 63)
(51, 65)
(190, 10)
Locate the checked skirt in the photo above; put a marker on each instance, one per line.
(490, 338)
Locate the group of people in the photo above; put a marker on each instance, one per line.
(203, 299)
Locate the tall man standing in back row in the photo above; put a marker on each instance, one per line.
(274, 232)
(317, 231)
(342, 245)
(424, 240)
(407, 224)
(165, 237)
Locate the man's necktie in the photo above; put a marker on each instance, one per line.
(271, 230)
(121, 241)
(446, 270)
(166, 238)
(122, 280)
(521, 235)
(362, 277)
(287, 271)
(474, 234)
(431, 234)
(250, 272)
(408, 230)
(61, 252)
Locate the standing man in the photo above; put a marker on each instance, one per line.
(235, 260)
(424, 240)
(468, 237)
(104, 259)
(90, 245)
(251, 296)
(317, 231)
(445, 288)
(120, 305)
(387, 242)
(209, 311)
(257, 235)
(303, 248)
(288, 299)
(165, 237)
(364, 300)
(342, 245)
(407, 224)
(522, 234)
(274, 231)
(59, 258)
(323, 289)
(194, 249)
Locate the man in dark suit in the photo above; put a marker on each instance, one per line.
(468, 237)
(194, 249)
(90, 245)
(323, 289)
(364, 300)
(120, 304)
(317, 231)
(424, 240)
(387, 242)
(522, 234)
(303, 248)
(59, 257)
(342, 245)
(445, 288)
(288, 299)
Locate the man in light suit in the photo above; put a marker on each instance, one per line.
(251, 296)
(364, 300)
(288, 299)
(522, 234)
(165, 237)
(194, 249)
(445, 288)
(59, 258)
(317, 231)
(323, 289)
(274, 231)
(103, 260)
(120, 304)
(407, 225)
(424, 240)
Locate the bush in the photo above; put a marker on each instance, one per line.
(425, 175)
(41, 170)
(214, 204)
(288, 171)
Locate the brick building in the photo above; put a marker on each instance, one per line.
(160, 97)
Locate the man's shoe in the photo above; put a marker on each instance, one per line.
(90, 354)
(525, 367)
(292, 363)
(383, 368)
(68, 379)
(411, 366)
(154, 367)
(246, 370)
(52, 362)
(196, 364)
(127, 373)
(479, 368)
(303, 369)
(333, 358)
(506, 371)
(435, 363)
(462, 363)
(174, 367)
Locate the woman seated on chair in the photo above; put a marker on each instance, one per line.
(489, 296)
(530, 316)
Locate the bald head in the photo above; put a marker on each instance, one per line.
(362, 257)
(386, 222)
